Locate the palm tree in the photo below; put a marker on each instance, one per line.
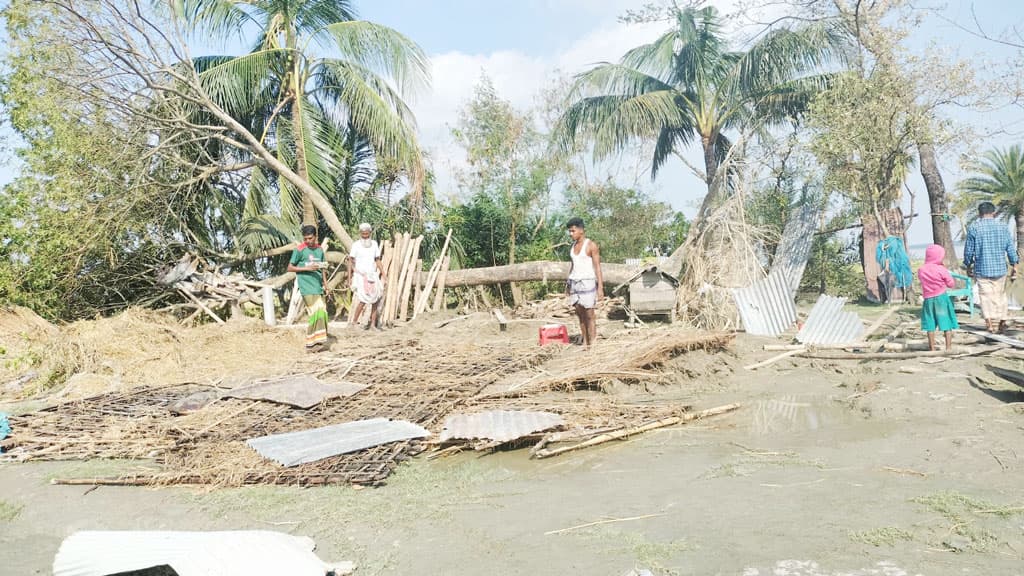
(306, 106)
(687, 85)
(1000, 179)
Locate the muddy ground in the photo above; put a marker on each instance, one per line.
(831, 467)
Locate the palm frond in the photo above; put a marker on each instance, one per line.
(371, 114)
(313, 16)
(327, 88)
(383, 50)
(267, 231)
(219, 17)
(237, 83)
(784, 54)
(611, 122)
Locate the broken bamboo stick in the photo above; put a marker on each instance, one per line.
(878, 323)
(775, 359)
(439, 301)
(627, 432)
(432, 277)
(897, 355)
(605, 521)
(199, 303)
(788, 347)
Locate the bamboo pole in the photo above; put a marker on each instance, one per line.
(394, 276)
(403, 301)
(898, 355)
(775, 359)
(417, 285)
(627, 432)
(199, 303)
(424, 296)
(421, 304)
(403, 270)
(878, 323)
(439, 295)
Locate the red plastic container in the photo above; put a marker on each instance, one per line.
(550, 333)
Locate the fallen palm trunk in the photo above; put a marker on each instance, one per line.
(627, 432)
(543, 271)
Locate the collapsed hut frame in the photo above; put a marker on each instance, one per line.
(411, 380)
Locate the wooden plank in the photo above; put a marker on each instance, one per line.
(294, 304)
(502, 322)
(432, 277)
(199, 303)
(442, 277)
(403, 300)
(995, 337)
(395, 277)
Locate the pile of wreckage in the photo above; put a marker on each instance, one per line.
(767, 308)
(352, 419)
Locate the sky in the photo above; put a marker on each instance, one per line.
(522, 44)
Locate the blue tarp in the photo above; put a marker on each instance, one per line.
(5, 427)
(892, 257)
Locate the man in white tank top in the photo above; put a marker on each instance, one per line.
(585, 286)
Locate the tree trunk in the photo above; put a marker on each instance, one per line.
(543, 271)
(941, 233)
(1018, 220)
(710, 167)
(308, 212)
(675, 260)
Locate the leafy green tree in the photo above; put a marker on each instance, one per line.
(94, 210)
(626, 223)
(689, 85)
(999, 178)
(318, 112)
(864, 139)
(509, 174)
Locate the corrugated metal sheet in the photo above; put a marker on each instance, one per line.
(828, 323)
(302, 391)
(766, 307)
(237, 553)
(498, 425)
(294, 448)
(795, 245)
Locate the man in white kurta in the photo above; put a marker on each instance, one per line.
(365, 276)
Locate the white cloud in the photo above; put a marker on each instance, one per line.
(516, 76)
(519, 77)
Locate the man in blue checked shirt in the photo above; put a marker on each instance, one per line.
(986, 252)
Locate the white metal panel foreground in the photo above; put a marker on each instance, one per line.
(294, 448)
(234, 553)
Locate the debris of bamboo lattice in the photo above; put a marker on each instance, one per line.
(413, 380)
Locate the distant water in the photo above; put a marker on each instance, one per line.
(916, 251)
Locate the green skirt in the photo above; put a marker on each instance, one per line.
(937, 313)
